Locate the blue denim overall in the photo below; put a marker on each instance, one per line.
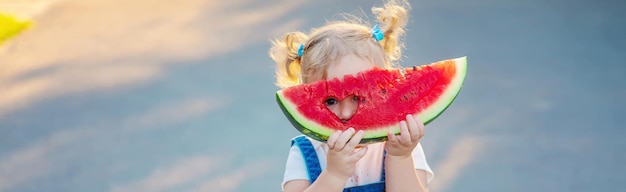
(314, 169)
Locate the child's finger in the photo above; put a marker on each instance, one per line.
(413, 128)
(421, 128)
(333, 139)
(343, 139)
(360, 153)
(405, 136)
(354, 141)
(391, 137)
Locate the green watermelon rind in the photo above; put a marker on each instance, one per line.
(429, 114)
(322, 132)
(448, 97)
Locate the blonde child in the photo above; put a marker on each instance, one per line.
(332, 51)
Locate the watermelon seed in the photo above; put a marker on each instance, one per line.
(384, 91)
(363, 100)
(405, 98)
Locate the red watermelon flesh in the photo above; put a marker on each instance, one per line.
(386, 96)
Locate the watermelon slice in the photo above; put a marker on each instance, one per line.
(386, 96)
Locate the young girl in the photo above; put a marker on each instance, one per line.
(332, 51)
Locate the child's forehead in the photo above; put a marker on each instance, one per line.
(348, 65)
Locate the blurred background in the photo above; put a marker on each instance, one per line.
(111, 95)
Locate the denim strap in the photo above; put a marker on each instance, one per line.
(314, 169)
(310, 157)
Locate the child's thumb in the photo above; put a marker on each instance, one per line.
(361, 152)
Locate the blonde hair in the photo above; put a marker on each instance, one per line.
(328, 44)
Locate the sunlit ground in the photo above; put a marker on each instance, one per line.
(109, 95)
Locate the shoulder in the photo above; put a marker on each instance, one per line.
(420, 163)
(296, 171)
(317, 145)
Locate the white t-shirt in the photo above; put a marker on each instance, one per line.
(368, 169)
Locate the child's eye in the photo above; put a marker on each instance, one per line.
(330, 101)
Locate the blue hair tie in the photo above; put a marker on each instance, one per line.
(377, 33)
(301, 50)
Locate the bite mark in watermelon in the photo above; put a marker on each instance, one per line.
(386, 97)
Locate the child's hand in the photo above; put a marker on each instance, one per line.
(411, 131)
(342, 158)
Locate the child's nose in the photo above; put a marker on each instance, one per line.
(347, 108)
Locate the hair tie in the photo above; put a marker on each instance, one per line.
(301, 50)
(377, 33)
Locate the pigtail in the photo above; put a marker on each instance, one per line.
(393, 18)
(288, 64)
